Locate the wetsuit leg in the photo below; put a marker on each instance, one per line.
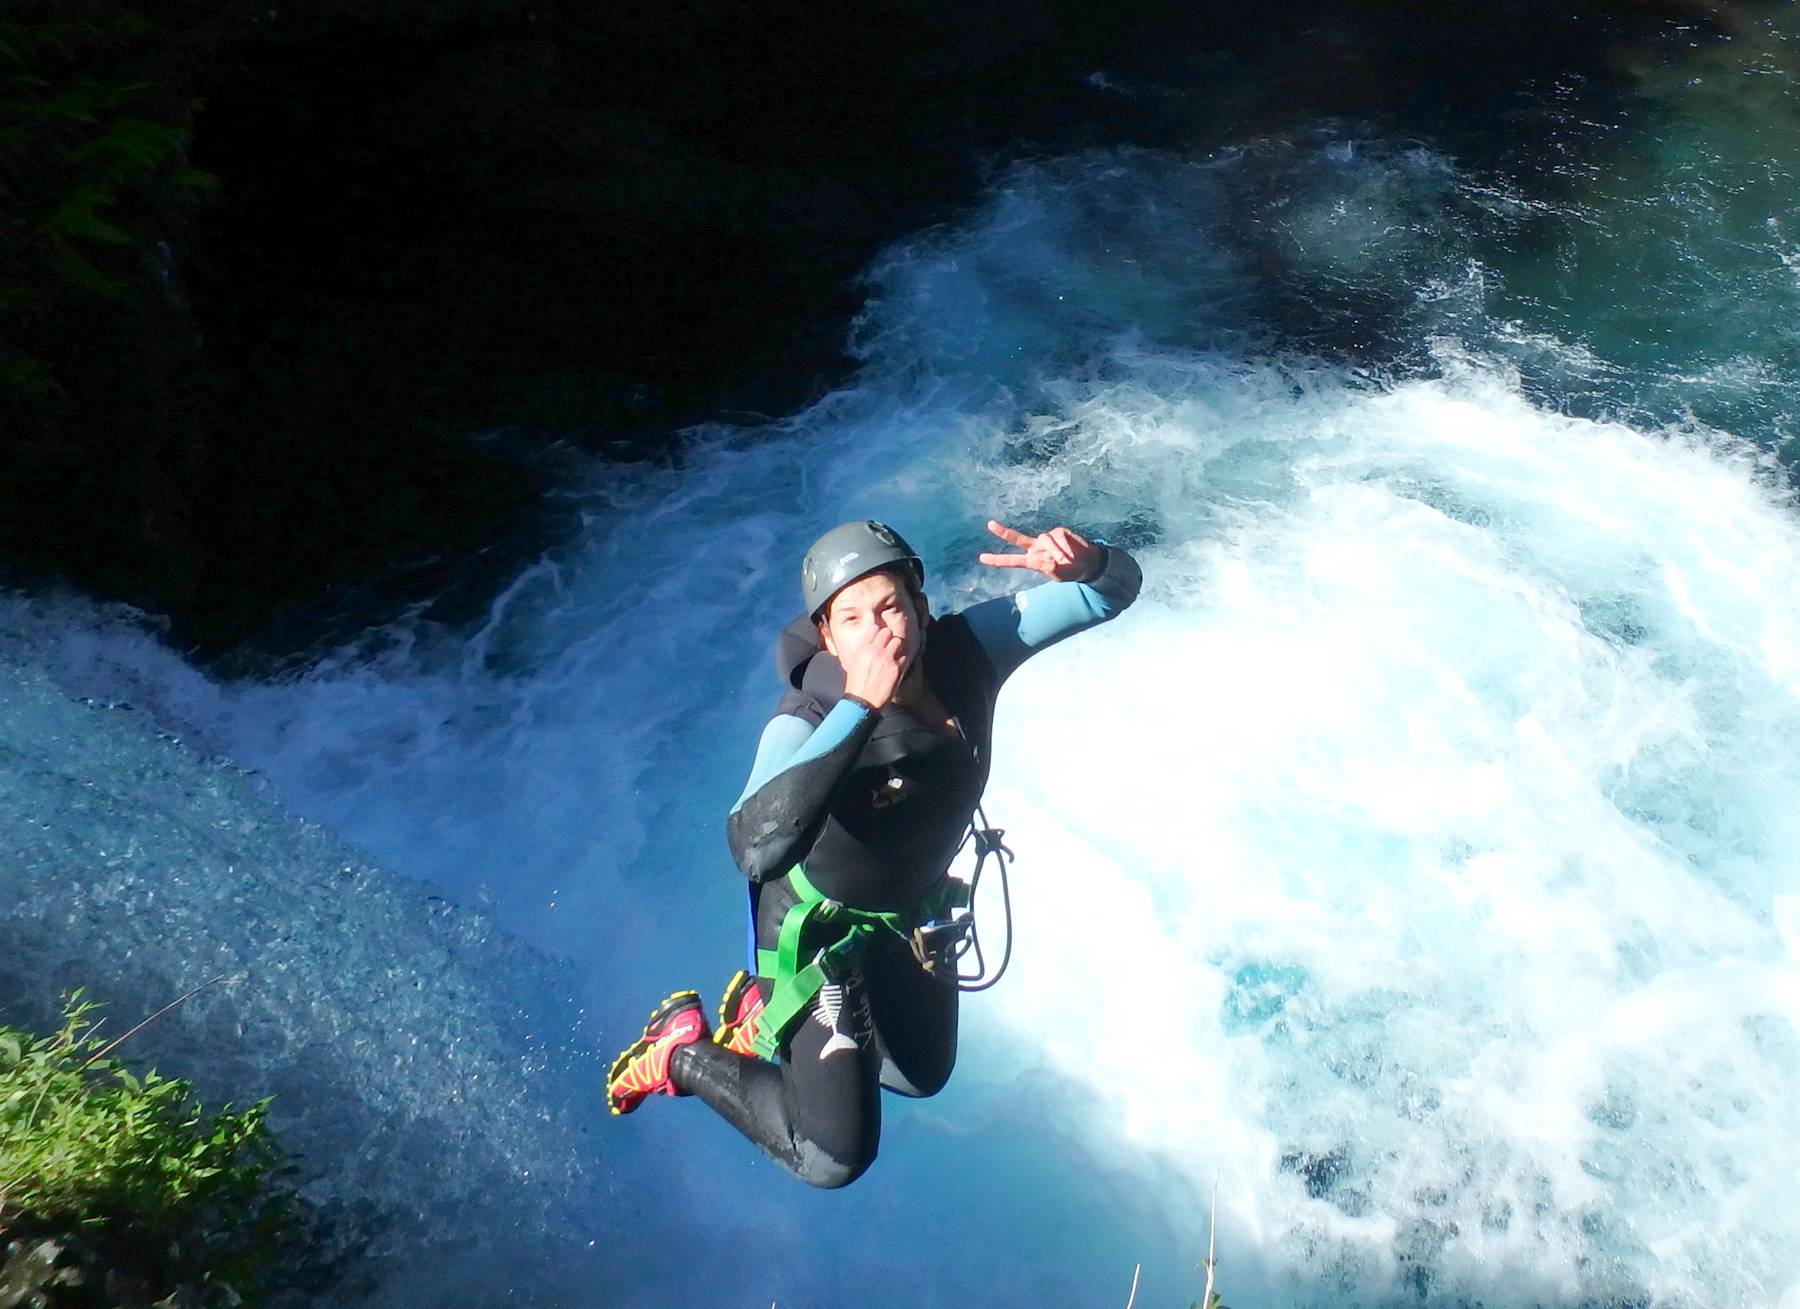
(915, 1018)
(818, 1112)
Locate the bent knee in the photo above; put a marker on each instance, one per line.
(827, 1172)
(916, 1083)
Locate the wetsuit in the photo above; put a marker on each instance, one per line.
(876, 805)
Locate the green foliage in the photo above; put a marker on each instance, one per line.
(129, 1161)
(93, 162)
(30, 377)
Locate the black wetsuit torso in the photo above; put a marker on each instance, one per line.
(896, 819)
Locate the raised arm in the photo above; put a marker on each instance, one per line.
(1090, 583)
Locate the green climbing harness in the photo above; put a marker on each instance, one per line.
(795, 983)
(937, 935)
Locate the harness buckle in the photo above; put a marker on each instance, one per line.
(937, 945)
(990, 840)
(831, 963)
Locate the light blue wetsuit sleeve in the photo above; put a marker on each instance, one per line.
(1012, 628)
(796, 774)
(787, 742)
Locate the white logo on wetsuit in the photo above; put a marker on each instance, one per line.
(848, 1029)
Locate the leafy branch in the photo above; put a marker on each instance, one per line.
(94, 1152)
(91, 154)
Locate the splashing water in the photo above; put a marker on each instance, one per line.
(1417, 860)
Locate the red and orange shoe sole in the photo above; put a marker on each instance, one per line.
(737, 1015)
(642, 1068)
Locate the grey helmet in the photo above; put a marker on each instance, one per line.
(847, 552)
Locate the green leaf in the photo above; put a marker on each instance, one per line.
(136, 143)
(77, 218)
(197, 182)
(77, 104)
(83, 273)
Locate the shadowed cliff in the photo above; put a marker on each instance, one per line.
(266, 270)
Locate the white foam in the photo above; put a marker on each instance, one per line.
(1457, 764)
(1416, 861)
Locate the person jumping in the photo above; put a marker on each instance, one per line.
(862, 793)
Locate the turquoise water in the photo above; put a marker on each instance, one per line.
(1416, 863)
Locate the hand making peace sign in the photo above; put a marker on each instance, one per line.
(1060, 554)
